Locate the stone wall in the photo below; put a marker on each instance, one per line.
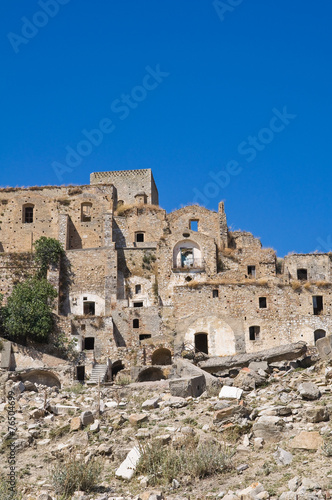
(129, 183)
(50, 205)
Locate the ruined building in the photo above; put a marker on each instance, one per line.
(142, 285)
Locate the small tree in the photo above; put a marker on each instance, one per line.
(28, 313)
(47, 253)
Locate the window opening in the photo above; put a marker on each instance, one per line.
(302, 274)
(254, 332)
(252, 271)
(317, 302)
(89, 308)
(262, 302)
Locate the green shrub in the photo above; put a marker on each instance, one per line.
(74, 474)
(47, 253)
(28, 313)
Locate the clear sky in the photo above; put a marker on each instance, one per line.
(227, 100)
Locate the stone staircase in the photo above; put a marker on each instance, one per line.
(98, 374)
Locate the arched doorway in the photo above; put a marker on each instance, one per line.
(151, 374)
(319, 334)
(162, 356)
(201, 343)
(116, 367)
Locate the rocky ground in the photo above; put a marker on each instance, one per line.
(272, 441)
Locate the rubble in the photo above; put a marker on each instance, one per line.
(278, 436)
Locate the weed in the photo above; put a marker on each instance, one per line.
(59, 431)
(162, 464)
(327, 448)
(74, 474)
(123, 379)
(76, 388)
(296, 285)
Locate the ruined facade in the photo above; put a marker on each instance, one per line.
(139, 285)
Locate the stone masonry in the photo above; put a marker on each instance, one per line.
(143, 285)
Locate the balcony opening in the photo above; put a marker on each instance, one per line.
(215, 294)
(317, 303)
(201, 343)
(89, 308)
(89, 343)
(302, 274)
(254, 332)
(187, 254)
(138, 289)
(262, 302)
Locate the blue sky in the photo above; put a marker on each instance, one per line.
(223, 100)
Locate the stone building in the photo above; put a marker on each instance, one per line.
(142, 285)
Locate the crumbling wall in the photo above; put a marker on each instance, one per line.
(129, 183)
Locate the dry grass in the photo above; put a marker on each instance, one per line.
(307, 285)
(74, 474)
(322, 284)
(228, 251)
(75, 190)
(163, 463)
(227, 281)
(126, 208)
(296, 285)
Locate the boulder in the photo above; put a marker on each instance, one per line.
(188, 386)
(150, 404)
(18, 388)
(138, 418)
(279, 353)
(75, 424)
(37, 413)
(282, 457)
(309, 391)
(307, 441)
(259, 365)
(248, 380)
(128, 466)
(269, 428)
(30, 386)
(317, 414)
(87, 418)
(226, 414)
(324, 347)
(230, 392)
(251, 492)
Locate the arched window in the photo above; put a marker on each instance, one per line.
(86, 209)
(28, 213)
